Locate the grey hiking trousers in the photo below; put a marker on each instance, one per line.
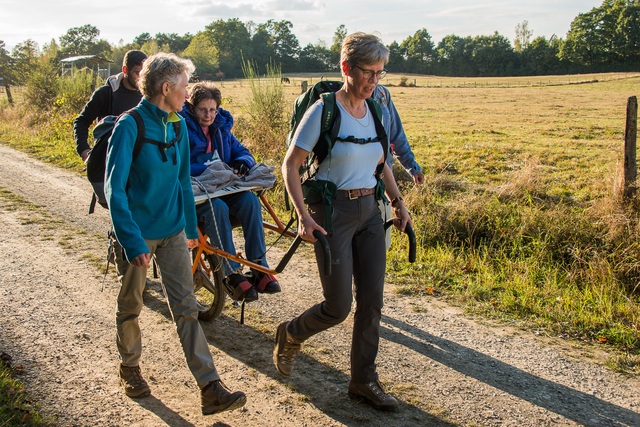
(358, 256)
(174, 261)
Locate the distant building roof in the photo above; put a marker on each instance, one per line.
(93, 58)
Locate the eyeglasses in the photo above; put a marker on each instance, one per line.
(203, 111)
(368, 74)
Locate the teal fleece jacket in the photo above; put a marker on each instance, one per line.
(149, 199)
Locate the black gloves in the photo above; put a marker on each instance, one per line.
(239, 167)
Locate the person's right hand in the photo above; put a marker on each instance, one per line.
(142, 260)
(306, 227)
(85, 155)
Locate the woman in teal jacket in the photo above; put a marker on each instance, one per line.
(153, 213)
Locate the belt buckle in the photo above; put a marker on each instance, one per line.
(354, 192)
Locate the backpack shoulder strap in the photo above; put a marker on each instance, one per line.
(376, 111)
(162, 146)
(328, 110)
(110, 96)
(177, 128)
(329, 126)
(137, 147)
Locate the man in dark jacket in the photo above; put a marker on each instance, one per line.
(120, 93)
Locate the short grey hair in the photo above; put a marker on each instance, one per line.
(162, 67)
(362, 48)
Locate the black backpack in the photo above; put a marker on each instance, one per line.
(330, 124)
(96, 162)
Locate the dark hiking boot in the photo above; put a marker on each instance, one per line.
(373, 394)
(132, 382)
(216, 397)
(285, 350)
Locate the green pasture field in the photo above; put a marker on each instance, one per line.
(486, 129)
(520, 217)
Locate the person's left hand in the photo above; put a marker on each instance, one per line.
(240, 168)
(192, 243)
(142, 260)
(418, 178)
(402, 216)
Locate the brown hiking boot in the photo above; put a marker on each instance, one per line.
(132, 382)
(373, 394)
(285, 350)
(216, 397)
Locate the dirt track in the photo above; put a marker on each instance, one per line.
(446, 368)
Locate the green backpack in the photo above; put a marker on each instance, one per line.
(314, 190)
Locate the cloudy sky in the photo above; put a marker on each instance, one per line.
(313, 20)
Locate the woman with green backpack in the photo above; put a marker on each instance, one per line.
(357, 241)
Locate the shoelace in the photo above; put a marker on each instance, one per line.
(222, 392)
(289, 351)
(222, 387)
(377, 390)
(134, 377)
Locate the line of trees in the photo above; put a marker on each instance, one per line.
(606, 38)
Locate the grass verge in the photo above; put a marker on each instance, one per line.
(15, 408)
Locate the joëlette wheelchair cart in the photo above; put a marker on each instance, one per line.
(207, 260)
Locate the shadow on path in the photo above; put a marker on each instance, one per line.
(585, 409)
(166, 414)
(324, 386)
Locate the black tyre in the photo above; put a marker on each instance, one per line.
(208, 287)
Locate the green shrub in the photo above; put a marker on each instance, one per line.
(404, 82)
(75, 91)
(266, 129)
(42, 87)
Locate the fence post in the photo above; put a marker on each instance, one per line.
(303, 86)
(9, 97)
(630, 142)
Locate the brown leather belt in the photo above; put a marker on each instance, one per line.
(354, 194)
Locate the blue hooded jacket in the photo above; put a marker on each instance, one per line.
(224, 142)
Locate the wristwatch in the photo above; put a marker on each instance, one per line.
(396, 200)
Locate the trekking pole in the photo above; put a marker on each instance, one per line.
(412, 238)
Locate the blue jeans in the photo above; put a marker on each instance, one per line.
(245, 206)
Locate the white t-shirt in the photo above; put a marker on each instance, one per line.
(349, 165)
